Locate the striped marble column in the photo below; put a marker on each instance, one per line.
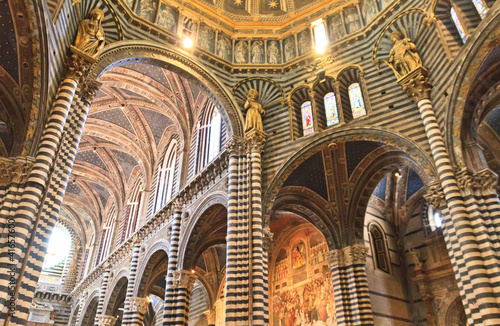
(472, 240)
(81, 305)
(129, 311)
(237, 259)
(40, 203)
(350, 285)
(259, 287)
(170, 308)
(138, 307)
(102, 296)
(183, 282)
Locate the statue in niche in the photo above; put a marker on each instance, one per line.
(166, 19)
(352, 20)
(274, 53)
(403, 57)
(206, 37)
(90, 35)
(257, 52)
(241, 52)
(289, 49)
(148, 8)
(224, 47)
(336, 27)
(369, 9)
(255, 112)
(304, 42)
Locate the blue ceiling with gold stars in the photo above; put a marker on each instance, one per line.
(379, 190)
(311, 169)
(127, 162)
(73, 188)
(356, 151)
(8, 43)
(89, 156)
(101, 192)
(114, 116)
(493, 120)
(157, 122)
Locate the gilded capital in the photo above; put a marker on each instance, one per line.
(416, 85)
(89, 88)
(256, 140)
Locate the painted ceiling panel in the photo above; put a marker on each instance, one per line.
(8, 42)
(356, 151)
(73, 188)
(102, 192)
(126, 161)
(114, 116)
(100, 94)
(154, 72)
(89, 156)
(414, 184)
(157, 123)
(311, 169)
(380, 189)
(493, 120)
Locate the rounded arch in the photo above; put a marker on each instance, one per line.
(147, 263)
(206, 211)
(179, 61)
(90, 309)
(117, 287)
(455, 315)
(332, 136)
(475, 51)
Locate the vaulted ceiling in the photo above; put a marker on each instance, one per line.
(137, 111)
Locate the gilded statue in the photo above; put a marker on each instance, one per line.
(90, 35)
(403, 57)
(255, 112)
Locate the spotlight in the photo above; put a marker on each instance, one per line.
(188, 43)
(397, 174)
(192, 271)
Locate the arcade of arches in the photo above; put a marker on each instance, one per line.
(244, 162)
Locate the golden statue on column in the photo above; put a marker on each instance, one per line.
(90, 35)
(255, 112)
(403, 57)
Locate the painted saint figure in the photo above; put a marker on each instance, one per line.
(336, 28)
(289, 49)
(166, 19)
(206, 37)
(241, 52)
(148, 8)
(90, 35)
(352, 20)
(255, 112)
(369, 9)
(257, 52)
(298, 259)
(224, 47)
(274, 53)
(304, 43)
(403, 57)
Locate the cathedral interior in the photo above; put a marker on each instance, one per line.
(249, 162)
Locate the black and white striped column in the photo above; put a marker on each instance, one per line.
(350, 285)
(102, 296)
(137, 309)
(183, 282)
(259, 294)
(237, 257)
(170, 308)
(129, 311)
(81, 305)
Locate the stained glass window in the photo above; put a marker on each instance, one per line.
(458, 24)
(481, 9)
(307, 118)
(357, 103)
(332, 115)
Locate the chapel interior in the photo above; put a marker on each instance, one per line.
(249, 162)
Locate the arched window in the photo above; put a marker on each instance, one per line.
(307, 118)
(134, 204)
(458, 24)
(379, 249)
(166, 176)
(58, 251)
(434, 218)
(480, 7)
(107, 233)
(356, 100)
(332, 113)
(209, 136)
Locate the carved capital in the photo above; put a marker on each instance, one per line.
(15, 170)
(334, 258)
(416, 85)
(486, 180)
(77, 64)
(89, 88)
(210, 314)
(256, 140)
(352, 255)
(106, 320)
(184, 279)
(435, 195)
(139, 305)
(236, 146)
(267, 238)
(178, 205)
(465, 181)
